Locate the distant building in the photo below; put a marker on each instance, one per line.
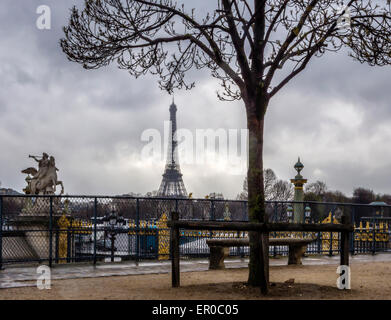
(214, 195)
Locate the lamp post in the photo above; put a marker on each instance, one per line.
(227, 214)
(307, 213)
(289, 213)
(112, 222)
(299, 182)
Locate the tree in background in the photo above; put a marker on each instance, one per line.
(151, 194)
(318, 188)
(386, 198)
(244, 194)
(315, 191)
(254, 47)
(362, 195)
(275, 189)
(336, 196)
(318, 191)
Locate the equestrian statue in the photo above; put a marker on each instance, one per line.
(44, 180)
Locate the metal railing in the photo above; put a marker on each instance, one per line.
(68, 229)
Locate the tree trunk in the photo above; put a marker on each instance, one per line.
(259, 242)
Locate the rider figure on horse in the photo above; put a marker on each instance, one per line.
(43, 166)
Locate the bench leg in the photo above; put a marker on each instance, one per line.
(216, 259)
(295, 254)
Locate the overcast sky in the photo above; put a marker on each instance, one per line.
(336, 116)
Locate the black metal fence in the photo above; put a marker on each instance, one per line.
(71, 229)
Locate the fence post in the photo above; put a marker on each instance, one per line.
(175, 251)
(331, 235)
(73, 246)
(156, 231)
(56, 256)
(352, 221)
(137, 229)
(51, 232)
(95, 217)
(1, 232)
(212, 214)
(319, 242)
(344, 249)
(69, 243)
(373, 236)
(245, 218)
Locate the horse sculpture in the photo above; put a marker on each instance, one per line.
(44, 180)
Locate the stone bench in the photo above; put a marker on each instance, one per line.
(219, 249)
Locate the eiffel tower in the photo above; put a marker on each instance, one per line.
(172, 184)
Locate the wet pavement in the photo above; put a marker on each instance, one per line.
(25, 276)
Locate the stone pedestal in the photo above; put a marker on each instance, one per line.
(298, 208)
(217, 255)
(296, 252)
(34, 223)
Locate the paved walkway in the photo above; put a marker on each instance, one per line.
(25, 276)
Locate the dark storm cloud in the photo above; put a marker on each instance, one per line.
(337, 112)
(336, 115)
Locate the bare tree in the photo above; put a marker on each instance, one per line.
(362, 195)
(386, 198)
(254, 47)
(275, 189)
(282, 191)
(319, 188)
(244, 194)
(269, 179)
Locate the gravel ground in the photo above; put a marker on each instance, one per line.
(368, 281)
